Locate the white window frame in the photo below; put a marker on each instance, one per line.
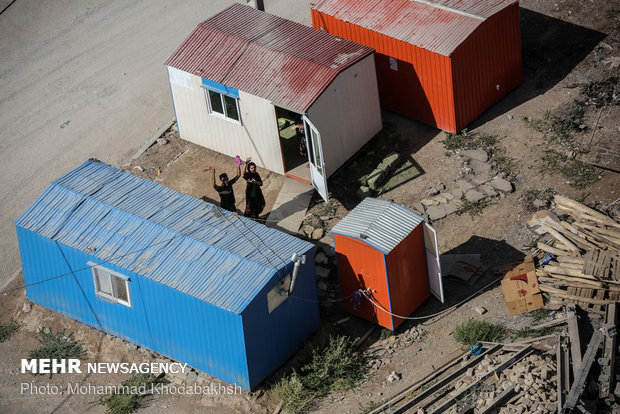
(218, 114)
(111, 274)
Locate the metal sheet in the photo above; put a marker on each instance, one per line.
(379, 223)
(267, 56)
(168, 237)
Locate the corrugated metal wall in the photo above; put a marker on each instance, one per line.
(256, 137)
(488, 65)
(272, 338)
(160, 318)
(446, 92)
(407, 275)
(422, 86)
(361, 266)
(347, 114)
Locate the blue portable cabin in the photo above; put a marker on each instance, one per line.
(168, 272)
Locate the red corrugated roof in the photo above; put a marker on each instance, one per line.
(439, 26)
(264, 55)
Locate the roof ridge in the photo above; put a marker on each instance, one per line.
(56, 182)
(450, 9)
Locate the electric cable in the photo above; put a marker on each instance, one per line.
(417, 318)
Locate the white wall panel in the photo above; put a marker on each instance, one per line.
(347, 114)
(256, 137)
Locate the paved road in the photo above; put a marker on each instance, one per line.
(85, 78)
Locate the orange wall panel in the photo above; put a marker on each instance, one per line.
(361, 266)
(408, 275)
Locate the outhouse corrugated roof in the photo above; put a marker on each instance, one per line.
(169, 237)
(267, 56)
(439, 26)
(380, 223)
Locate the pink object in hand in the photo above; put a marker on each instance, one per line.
(238, 160)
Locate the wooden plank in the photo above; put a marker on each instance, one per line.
(600, 294)
(562, 376)
(614, 234)
(576, 206)
(509, 362)
(440, 384)
(582, 375)
(575, 341)
(549, 324)
(572, 298)
(492, 407)
(568, 272)
(556, 235)
(609, 354)
(597, 263)
(554, 250)
(407, 391)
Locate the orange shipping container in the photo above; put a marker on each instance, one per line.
(387, 251)
(443, 62)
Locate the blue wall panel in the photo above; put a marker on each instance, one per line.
(162, 319)
(273, 338)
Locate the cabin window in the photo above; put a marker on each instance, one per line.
(111, 285)
(223, 106)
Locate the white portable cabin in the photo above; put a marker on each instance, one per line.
(243, 77)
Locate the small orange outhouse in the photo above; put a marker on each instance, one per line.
(388, 261)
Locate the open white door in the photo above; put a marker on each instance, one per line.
(315, 156)
(432, 262)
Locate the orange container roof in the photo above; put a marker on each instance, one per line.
(439, 26)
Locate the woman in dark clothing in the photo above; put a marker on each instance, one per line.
(254, 200)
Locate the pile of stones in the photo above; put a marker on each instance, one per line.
(478, 180)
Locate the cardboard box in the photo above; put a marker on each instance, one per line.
(521, 290)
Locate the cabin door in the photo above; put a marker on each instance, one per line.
(315, 157)
(431, 246)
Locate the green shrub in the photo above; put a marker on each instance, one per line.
(57, 345)
(291, 394)
(8, 329)
(334, 368)
(129, 401)
(472, 331)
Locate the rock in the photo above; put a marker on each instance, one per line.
(363, 192)
(480, 167)
(308, 230)
(480, 178)
(162, 141)
(481, 310)
(538, 204)
(391, 160)
(191, 376)
(317, 234)
(321, 285)
(137, 167)
(447, 196)
(375, 179)
(477, 154)
(457, 193)
(325, 218)
(418, 208)
(452, 206)
(473, 195)
(463, 185)
(394, 376)
(441, 186)
(501, 184)
(433, 191)
(436, 212)
(441, 199)
(487, 190)
(27, 307)
(427, 202)
(322, 272)
(321, 258)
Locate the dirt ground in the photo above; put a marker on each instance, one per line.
(570, 52)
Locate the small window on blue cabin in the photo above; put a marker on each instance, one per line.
(222, 101)
(110, 285)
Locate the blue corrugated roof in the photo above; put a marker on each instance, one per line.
(169, 237)
(383, 223)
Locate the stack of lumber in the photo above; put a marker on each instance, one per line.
(585, 268)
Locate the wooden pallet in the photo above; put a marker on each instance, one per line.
(597, 263)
